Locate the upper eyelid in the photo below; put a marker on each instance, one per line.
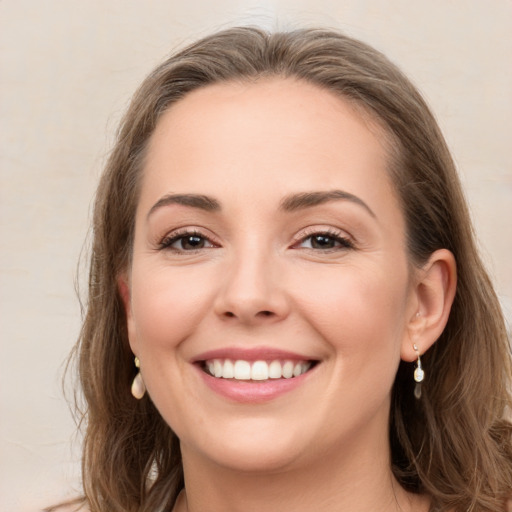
(178, 233)
(337, 233)
(301, 235)
(188, 230)
(318, 230)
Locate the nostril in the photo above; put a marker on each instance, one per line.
(246, 317)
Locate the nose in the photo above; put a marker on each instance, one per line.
(252, 291)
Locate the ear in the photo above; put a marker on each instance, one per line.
(123, 285)
(434, 290)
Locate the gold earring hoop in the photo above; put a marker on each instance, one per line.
(419, 374)
(138, 387)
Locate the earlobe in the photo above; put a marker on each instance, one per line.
(125, 293)
(434, 292)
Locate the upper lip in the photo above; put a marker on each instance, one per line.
(251, 354)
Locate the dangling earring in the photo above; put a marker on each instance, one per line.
(419, 374)
(138, 386)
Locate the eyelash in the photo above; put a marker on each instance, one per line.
(335, 236)
(168, 241)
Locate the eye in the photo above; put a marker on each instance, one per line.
(325, 241)
(186, 242)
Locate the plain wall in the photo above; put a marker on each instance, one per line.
(67, 70)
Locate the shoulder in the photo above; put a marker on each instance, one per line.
(76, 505)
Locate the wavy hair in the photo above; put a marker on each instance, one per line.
(455, 444)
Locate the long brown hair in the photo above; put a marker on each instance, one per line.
(455, 444)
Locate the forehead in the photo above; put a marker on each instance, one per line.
(273, 136)
(276, 106)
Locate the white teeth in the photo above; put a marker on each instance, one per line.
(287, 370)
(258, 370)
(242, 370)
(217, 368)
(228, 370)
(275, 370)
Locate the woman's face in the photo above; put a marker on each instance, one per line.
(269, 241)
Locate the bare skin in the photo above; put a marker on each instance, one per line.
(252, 493)
(251, 267)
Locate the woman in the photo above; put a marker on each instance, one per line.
(286, 309)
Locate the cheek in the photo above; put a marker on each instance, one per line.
(166, 306)
(360, 315)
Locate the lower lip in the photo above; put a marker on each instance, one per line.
(250, 391)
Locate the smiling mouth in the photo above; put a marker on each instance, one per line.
(256, 370)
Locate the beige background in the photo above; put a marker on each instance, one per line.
(67, 70)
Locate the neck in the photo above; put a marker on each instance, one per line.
(353, 478)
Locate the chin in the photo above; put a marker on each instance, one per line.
(250, 446)
(253, 459)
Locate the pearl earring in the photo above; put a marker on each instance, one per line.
(138, 386)
(419, 374)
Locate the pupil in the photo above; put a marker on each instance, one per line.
(322, 241)
(193, 242)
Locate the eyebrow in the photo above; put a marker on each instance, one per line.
(290, 203)
(309, 199)
(199, 201)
